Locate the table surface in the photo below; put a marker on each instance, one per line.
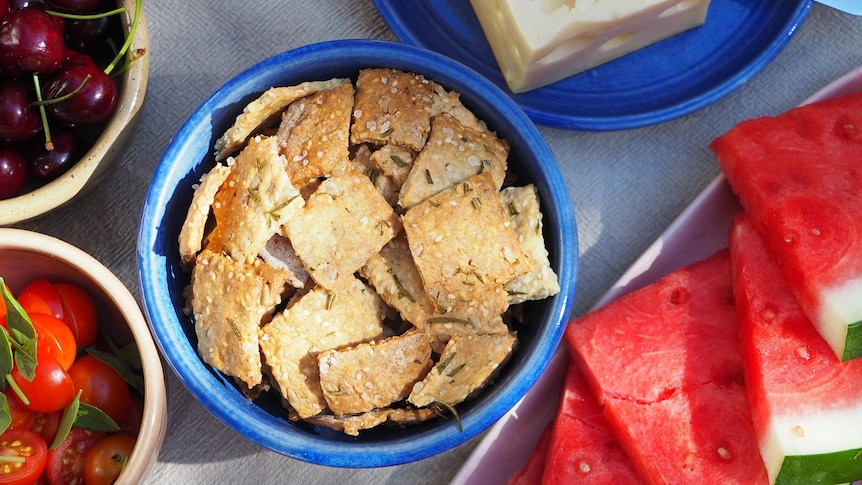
(626, 186)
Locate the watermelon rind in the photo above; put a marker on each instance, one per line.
(853, 349)
(840, 319)
(827, 468)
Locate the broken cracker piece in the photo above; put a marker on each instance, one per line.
(467, 364)
(394, 275)
(192, 232)
(453, 154)
(320, 320)
(255, 200)
(522, 205)
(392, 107)
(373, 375)
(352, 425)
(230, 300)
(314, 133)
(343, 223)
(465, 249)
(269, 105)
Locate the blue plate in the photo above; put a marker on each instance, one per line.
(658, 83)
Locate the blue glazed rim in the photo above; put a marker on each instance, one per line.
(189, 155)
(658, 83)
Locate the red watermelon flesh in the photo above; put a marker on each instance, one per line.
(583, 448)
(665, 363)
(806, 405)
(799, 176)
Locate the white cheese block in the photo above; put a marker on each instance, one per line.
(539, 42)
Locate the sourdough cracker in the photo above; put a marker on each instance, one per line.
(254, 201)
(465, 249)
(371, 375)
(314, 134)
(192, 233)
(453, 154)
(343, 223)
(466, 365)
(320, 320)
(263, 109)
(230, 301)
(522, 205)
(392, 107)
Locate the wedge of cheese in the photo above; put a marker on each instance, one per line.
(539, 42)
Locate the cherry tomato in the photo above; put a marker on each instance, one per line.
(66, 462)
(55, 337)
(106, 459)
(21, 417)
(80, 312)
(40, 296)
(46, 425)
(101, 386)
(50, 390)
(132, 423)
(24, 444)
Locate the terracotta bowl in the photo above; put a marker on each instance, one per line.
(27, 255)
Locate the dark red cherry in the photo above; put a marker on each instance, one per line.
(45, 165)
(19, 4)
(90, 36)
(31, 41)
(93, 103)
(13, 171)
(75, 6)
(19, 121)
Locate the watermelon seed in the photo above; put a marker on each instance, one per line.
(584, 467)
(723, 453)
(798, 431)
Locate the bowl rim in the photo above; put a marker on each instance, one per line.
(154, 416)
(74, 182)
(153, 268)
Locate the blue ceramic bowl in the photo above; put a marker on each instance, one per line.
(263, 421)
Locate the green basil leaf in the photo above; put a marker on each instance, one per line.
(25, 359)
(6, 361)
(121, 366)
(16, 317)
(91, 417)
(66, 422)
(5, 413)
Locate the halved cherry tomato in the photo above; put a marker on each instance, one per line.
(55, 337)
(50, 390)
(28, 445)
(101, 386)
(40, 296)
(79, 312)
(106, 459)
(66, 462)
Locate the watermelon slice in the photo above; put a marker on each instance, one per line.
(799, 175)
(583, 449)
(806, 405)
(665, 363)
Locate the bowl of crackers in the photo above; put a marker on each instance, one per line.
(358, 253)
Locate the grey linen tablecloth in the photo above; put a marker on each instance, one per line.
(627, 186)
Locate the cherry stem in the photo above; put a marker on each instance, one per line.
(49, 144)
(128, 43)
(92, 16)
